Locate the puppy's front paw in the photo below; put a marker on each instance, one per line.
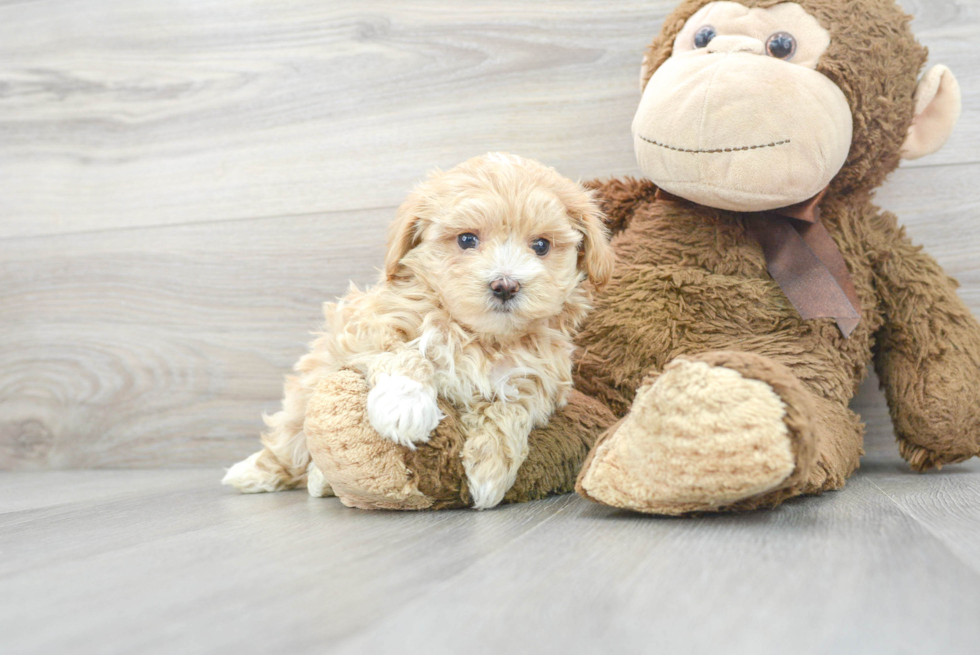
(488, 474)
(401, 409)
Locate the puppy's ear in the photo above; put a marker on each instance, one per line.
(404, 233)
(595, 257)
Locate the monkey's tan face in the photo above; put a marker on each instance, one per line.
(738, 118)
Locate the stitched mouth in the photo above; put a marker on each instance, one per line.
(716, 150)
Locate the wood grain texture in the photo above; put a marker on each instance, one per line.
(161, 347)
(166, 561)
(117, 114)
(182, 185)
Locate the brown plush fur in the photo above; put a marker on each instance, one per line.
(691, 283)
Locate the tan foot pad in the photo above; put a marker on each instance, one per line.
(698, 438)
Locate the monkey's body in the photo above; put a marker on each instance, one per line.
(725, 397)
(697, 288)
(723, 300)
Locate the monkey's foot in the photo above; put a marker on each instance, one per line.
(363, 469)
(706, 434)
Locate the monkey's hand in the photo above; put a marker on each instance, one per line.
(928, 359)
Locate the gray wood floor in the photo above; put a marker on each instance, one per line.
(168, 562)
(181, 186)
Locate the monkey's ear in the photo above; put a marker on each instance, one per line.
(404, 233)
(938, 104)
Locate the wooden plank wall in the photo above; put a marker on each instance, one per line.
(183, 183)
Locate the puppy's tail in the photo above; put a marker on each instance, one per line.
(281, 465)
(262, 472)
(283, 461)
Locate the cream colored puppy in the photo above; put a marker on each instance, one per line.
(481, 294)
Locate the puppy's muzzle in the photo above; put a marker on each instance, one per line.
(505, 288)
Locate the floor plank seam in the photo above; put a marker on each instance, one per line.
(925, 165)
(447, 581)
(116, 549)
(63, 507)
(973, 566)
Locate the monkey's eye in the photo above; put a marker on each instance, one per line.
(468, 240)
(704, 36)
(781, 45)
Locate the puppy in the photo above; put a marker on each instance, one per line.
(482, 291)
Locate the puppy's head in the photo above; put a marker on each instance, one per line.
(504, 241)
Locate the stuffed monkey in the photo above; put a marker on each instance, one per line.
(756, 281)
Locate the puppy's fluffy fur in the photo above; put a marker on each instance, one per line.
(434, 327)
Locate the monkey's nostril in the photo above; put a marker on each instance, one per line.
(505, 288)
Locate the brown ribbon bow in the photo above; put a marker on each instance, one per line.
(805, 262)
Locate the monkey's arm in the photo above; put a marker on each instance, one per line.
(619, 197)
(927, 355)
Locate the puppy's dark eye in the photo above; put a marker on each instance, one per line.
(704, 36)
(468, 240)
(541, 247)
(781, 45)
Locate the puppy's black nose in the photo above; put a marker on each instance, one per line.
(505, 288)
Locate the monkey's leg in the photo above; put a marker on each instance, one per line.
(366, 470)
(722, 430)
(928, 356)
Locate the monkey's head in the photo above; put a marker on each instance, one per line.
(760, 104)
